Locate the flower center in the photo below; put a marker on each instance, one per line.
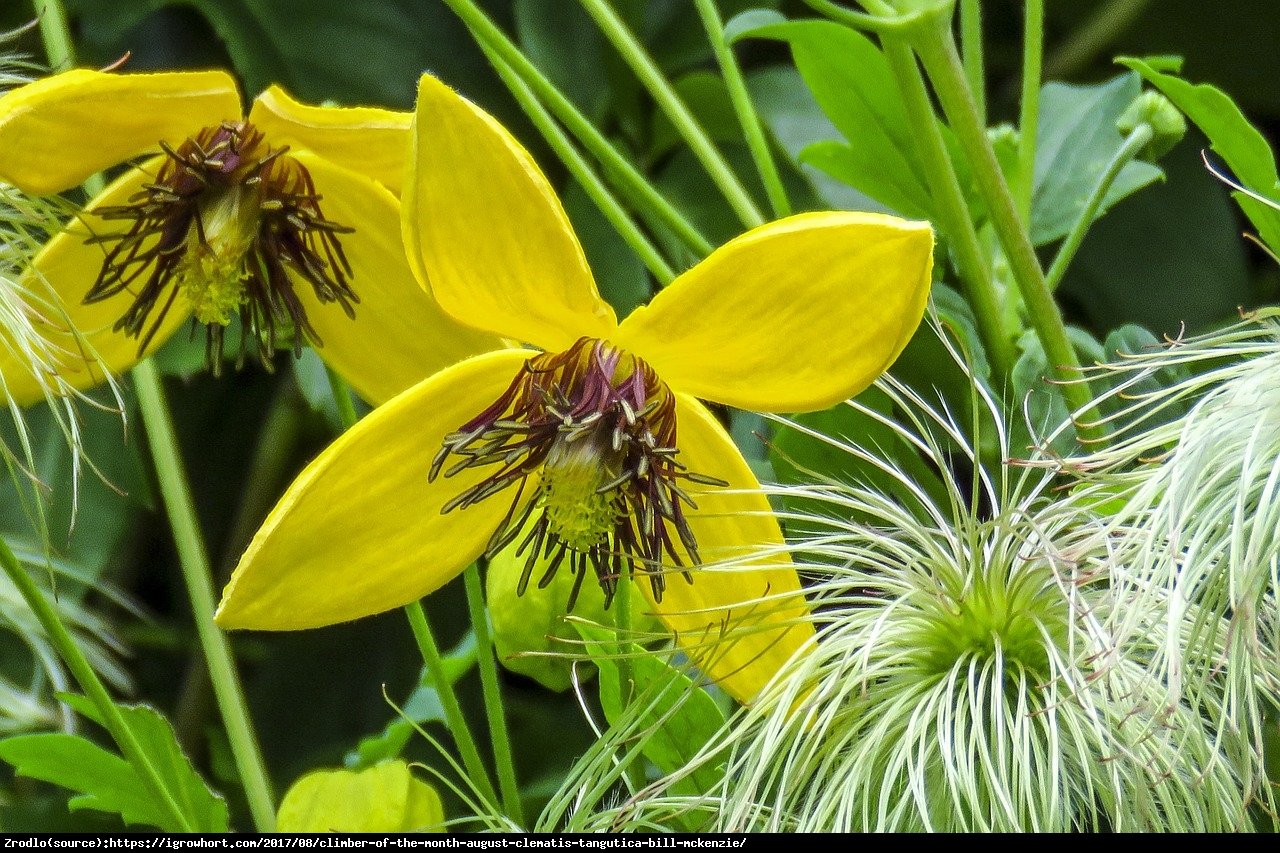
(595, 429)
(227, 224)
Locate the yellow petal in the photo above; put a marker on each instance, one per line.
(371, 141)
(399, 335)
(793, 316)
(58, 131)
(360, 531)
(79, 336)
(740, 621)
(486, 233)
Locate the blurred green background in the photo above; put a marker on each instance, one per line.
(1167, 256)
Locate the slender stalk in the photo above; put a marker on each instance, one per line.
(971, 46)
(638, 59)
(1108, 21)
(422, 634)
(745, 110)
(631, 181)
(631, 771)
(952, 209)
(487, 662)
(938, 51)
(1133, 145)
(454, 719)
(93, 688)
(1029, 115)
(54, 34)
(582, 172)
(197, 575)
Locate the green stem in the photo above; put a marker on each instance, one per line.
(634, 54)
(582, 172)
(632, 771)
(55, 34)
(196, 573)
(630, 180)
(747, 116)
(454, 719)
(1133, 145)
(93, 688)
(952, 209)
(1091, 38)
(938, 51)
(487, 662)
(1029, 115)
(971, 47)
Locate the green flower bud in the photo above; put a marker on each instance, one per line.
(1166, 121)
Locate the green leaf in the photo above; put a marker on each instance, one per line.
(562, 40)
(675, 716)
(105, 782)
(1077, 139)
(791, 114)
(206, 809)
(743, 24)
(852, 82)
(1232, 136)
(385, 798)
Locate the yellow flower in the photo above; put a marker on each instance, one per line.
(288, 218)
(604, 458)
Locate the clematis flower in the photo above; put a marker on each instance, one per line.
(591, 452)
(287, 219)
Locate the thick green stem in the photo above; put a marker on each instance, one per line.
(634, 54)
(453, 717)
(746, 111)
(629, 179)
(487, 662)
(582, 172)
(971, 46)
(1029, 115)
(938, 51)
(197, 575)
(952, 209)
(55, 34)
(1133, 145)
(93, 688)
